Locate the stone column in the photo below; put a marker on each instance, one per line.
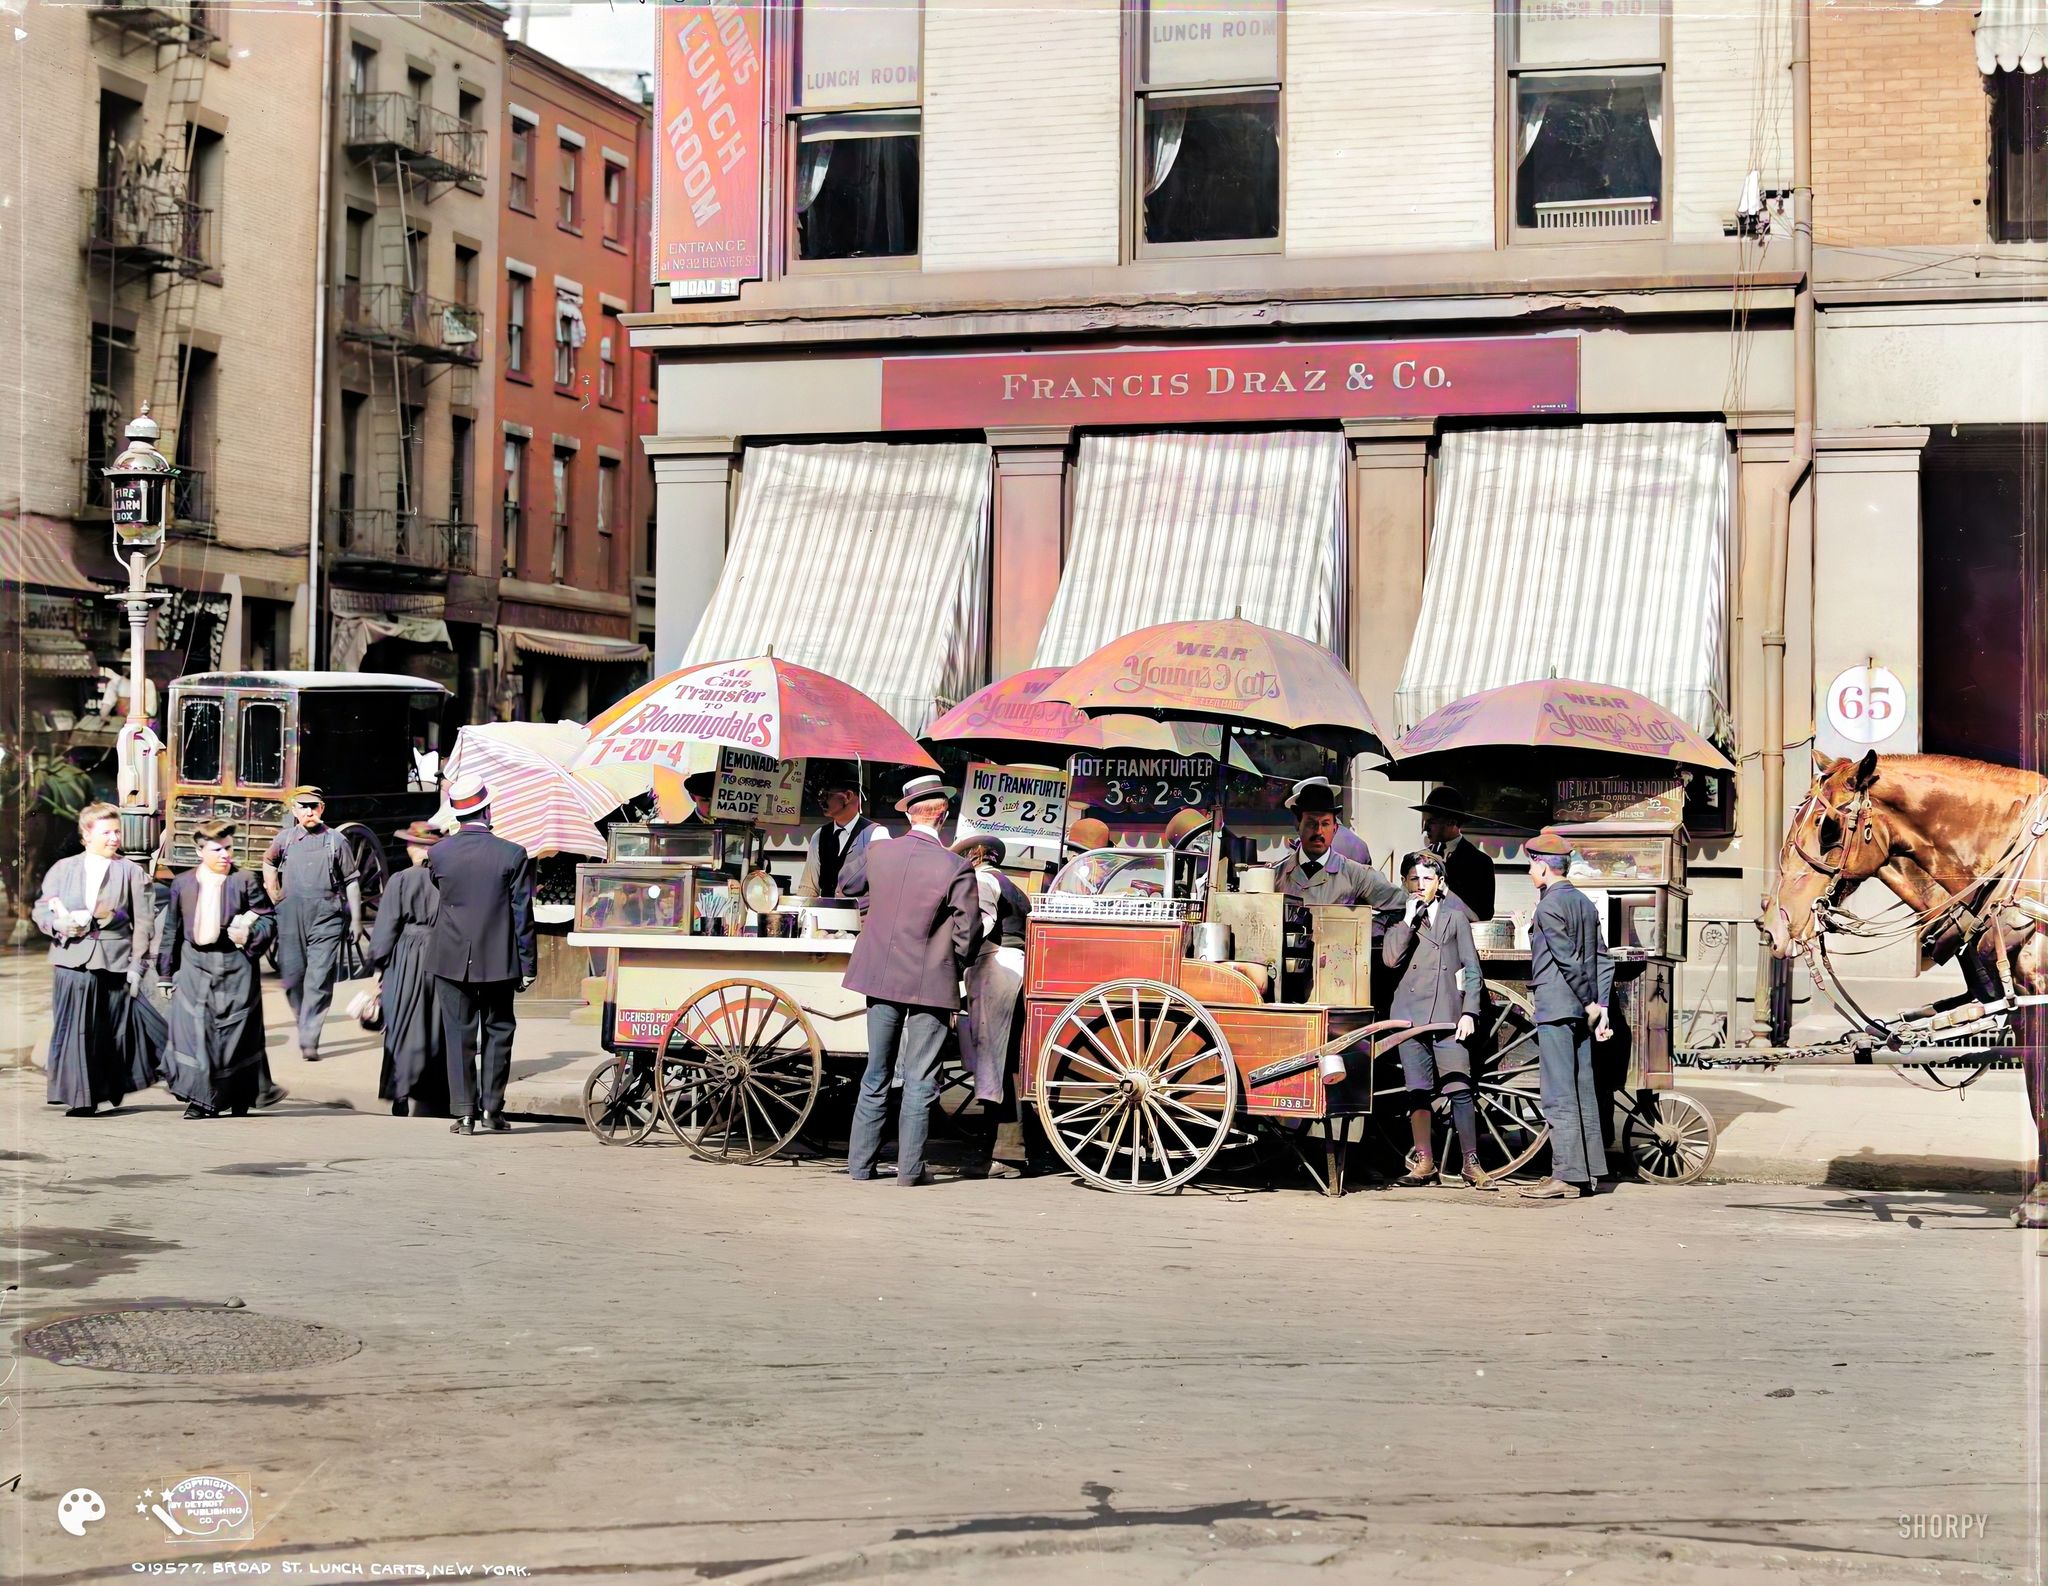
(693, 482)
(1389, 510)
(1027, 546)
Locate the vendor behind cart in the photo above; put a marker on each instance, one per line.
(836, 855)
(1314, 873)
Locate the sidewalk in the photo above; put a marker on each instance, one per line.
(1851, 1128)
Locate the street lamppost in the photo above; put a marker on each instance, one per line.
(139, 482)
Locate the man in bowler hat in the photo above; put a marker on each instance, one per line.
(1570, 980)
(921, 928)
(481, 951)
(1468, 872)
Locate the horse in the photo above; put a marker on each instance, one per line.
(1958, 842)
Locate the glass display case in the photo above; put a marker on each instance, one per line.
(692, 842)
(1635, 873)
(640, 897)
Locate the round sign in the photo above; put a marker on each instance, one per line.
(1866, 704)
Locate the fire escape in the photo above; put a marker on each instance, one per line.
(149, 240)
(413, 153)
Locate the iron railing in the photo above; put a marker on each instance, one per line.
(430, 142)
(1596, 214)
(190, 23)
(383, 534)
(149, 224)
(384, 314)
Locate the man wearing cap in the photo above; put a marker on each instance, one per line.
(481, 951)
(1570, 979)
(309, 871)
(836, 854)
(921, 927)
(1314, 873)
(1467, 871)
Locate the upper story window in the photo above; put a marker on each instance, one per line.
(614, 201)
(858, 92)
(1208, 125)
(519, 170)
(518, 303)
(362, 69)
(568, 195)
(1587, 83)
(2019, 156)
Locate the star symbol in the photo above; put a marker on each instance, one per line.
(141, 1508)
(149, 1492)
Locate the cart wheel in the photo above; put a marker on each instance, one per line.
(740, 1071)
(953, 1092)
(619, 1103)
(1507, 1080)
(1668, 1136)
(1137, 1087)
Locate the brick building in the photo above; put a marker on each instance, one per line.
(570, 505)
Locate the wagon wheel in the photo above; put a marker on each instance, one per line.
(953, 1089)
(1137, 1086)
(741, 1066)
(1507, 1085)
(619, 1103)
(1668, 1137)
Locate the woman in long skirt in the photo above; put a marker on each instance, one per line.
(95, 908)
(218, 922)
(415, 1076)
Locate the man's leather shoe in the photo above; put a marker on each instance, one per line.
(495, 1122)
(464, 1125)
(1476, 1177)
(272, 1096)
(1421, 1171)
(924, 1177)
(1550, 1189)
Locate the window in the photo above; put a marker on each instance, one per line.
(459, 452)
(419, 88)
(198, 425)
(519, 179)
(352, 405)
(355, 248)
(199, 741)
(2019, 156)
(568, 200)
(607, 495)
(465, 276)
(515, 502)
(362, 69)
(412, 458)
(614, 202)
(260, 743)
(468, 109)
(518, 297)
(608, 360)
(568, 337)
(1588, 94)
(857, 138)
(558, 559)
(205, 185)
(1208, 125)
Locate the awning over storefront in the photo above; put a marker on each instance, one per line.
(360, 617)
(1173, 527)
(865, 561)
(2012, 35)
(37, 550)
(568, 646)
(1598, 552)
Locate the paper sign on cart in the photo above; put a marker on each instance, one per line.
(1023, 805)
(754, 788)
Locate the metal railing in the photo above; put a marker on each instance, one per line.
(433, 143)
(187, 22)
(192, 504)
(383, 534)
(1596, 214)
(384, 314)
(149, 223)
(460, 540)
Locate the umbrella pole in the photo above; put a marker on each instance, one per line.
(1216, 823)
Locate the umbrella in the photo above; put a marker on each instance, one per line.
(762, 705)
(1556, 718)
(536, 800)
(1232, 672)
(1011, 720)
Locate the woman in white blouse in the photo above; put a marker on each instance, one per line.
(96, 909)
(219, 921)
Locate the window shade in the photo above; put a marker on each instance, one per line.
(865, 561)
(1598, 553)
(2012, 35)
(1173, 527)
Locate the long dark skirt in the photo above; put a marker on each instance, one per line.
(215, 1053)
(414, 1068)
(93, 1060)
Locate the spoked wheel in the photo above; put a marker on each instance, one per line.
(1137, 1087)
(620, 1106)
(1667, 1136)
(953, 1097)
(1507, 1081)
(740, 1070)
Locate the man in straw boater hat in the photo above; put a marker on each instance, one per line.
(1314, 872)
(921, 928)
(1570, 979)
(1467, 870)
(481, 952)
(309, 871)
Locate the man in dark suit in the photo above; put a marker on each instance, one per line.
(920, 928)
(1570, 980)
(481, 950)
(1468, 872)
(1431, 949)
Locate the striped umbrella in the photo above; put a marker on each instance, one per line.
(536, 800)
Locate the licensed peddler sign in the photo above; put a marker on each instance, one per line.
(1273, 381)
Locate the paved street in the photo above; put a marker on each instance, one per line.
(607, 1364)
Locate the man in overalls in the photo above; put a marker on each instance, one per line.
(310, 873)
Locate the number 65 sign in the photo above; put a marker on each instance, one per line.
(1866, 704)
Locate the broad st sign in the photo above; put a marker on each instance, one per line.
(709, 78)
(1271, 382)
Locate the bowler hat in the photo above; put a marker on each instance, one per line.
(1446, 801)
(1087, 834)
(418, 835)
(1549, 843)
(698, 784)
(1313, 796)
(998, 850)
(923, 789)
(1184, 825)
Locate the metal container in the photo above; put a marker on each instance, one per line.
(1210, 942)
(1256, 880)
(1494, 935)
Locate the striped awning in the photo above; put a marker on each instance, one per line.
(2012, 36)
(570, 646)
(1170, 528)
(1598, 552)
(865, 561)
(37, 550)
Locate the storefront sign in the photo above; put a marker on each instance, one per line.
(1866, 704)
(560, 619)
(1025, 807)
(1656, 800)
(858, 52)
(756, 789)
(1274, 382)
(708, 124)
(1142, 792)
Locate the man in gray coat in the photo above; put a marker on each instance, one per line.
(1431, 950)
(920, 928)
(1570, 980)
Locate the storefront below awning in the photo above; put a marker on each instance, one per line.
(1596, 551)
(571, 647)
(2012, 36)
(358, 618)
(36, 551)
(1171, 527)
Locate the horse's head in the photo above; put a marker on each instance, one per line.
(1832, 843)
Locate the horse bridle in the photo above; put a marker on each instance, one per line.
(1847, 817)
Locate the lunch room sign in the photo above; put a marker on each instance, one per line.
(1287, 381)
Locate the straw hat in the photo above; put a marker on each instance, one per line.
(468, 797)
(922, 789)
(418, 835)
(1184, 825)
(998, 850)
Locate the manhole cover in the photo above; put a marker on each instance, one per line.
(188, 1338)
